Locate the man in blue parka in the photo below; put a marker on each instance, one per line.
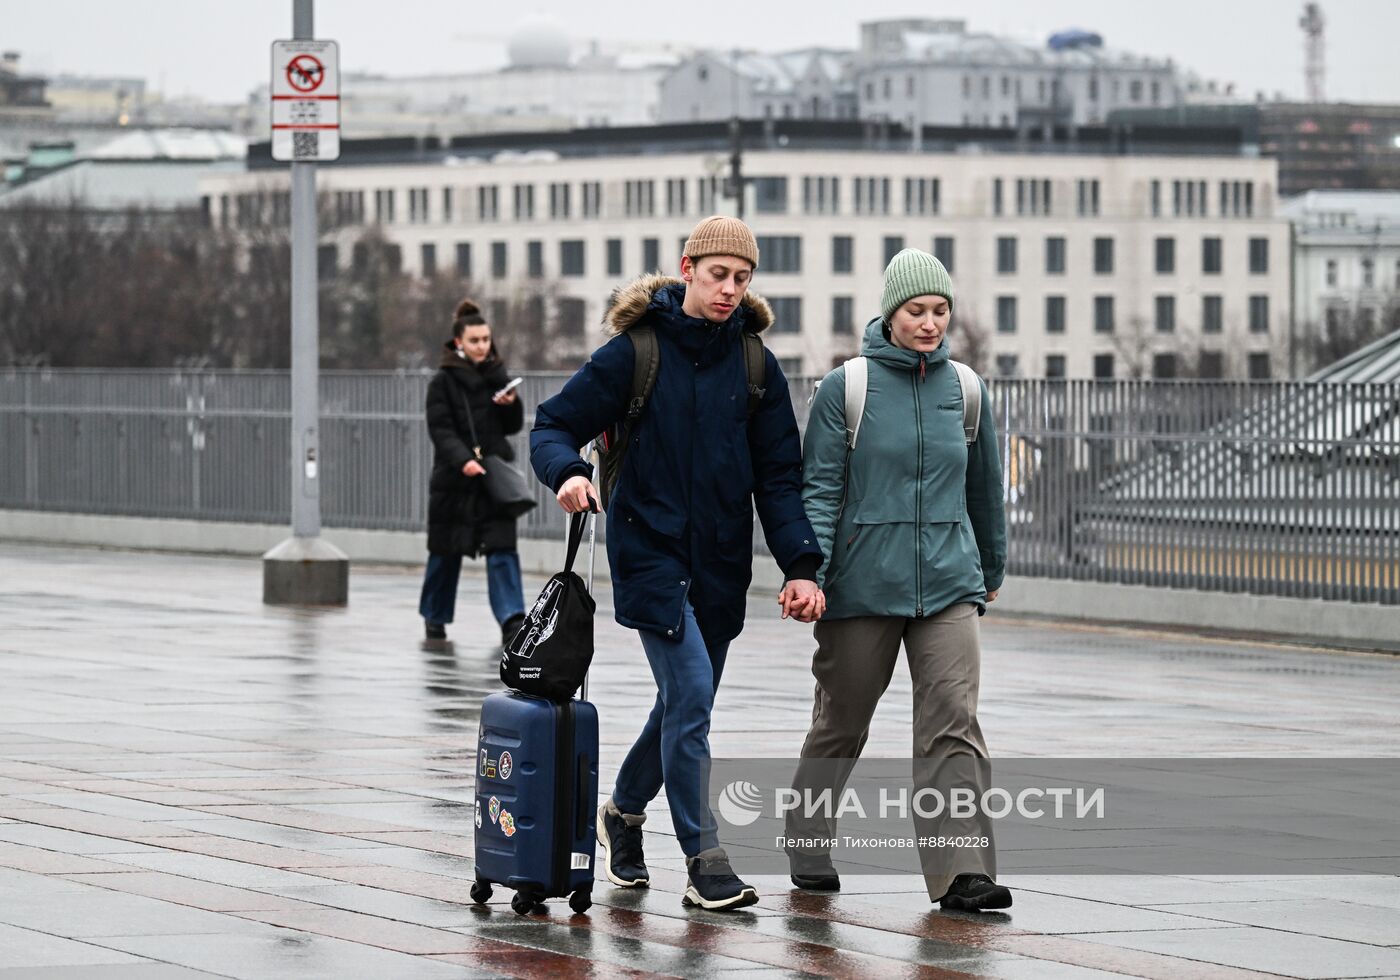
(680, 525)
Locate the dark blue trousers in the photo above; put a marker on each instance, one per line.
(439, 597)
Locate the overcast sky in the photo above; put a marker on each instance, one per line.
(219, 48)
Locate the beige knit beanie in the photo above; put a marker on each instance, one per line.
(722, 235)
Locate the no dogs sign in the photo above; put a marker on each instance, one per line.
(305, 101)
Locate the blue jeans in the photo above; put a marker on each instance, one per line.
(674, 746)
(439, 597)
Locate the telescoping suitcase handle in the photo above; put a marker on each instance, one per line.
(592, 452)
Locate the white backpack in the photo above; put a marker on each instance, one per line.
(858, 380)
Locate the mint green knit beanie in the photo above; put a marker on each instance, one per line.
(913, 272)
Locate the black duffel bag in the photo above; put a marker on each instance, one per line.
(510, 493)
(507, 487)
(550, 654)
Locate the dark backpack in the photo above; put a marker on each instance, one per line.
(646, 363)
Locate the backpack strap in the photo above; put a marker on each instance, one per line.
(755, 369)
(972, 400)
(646, 363)
(857, 381)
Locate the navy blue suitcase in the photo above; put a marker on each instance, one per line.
(537, 795)
(536, 800)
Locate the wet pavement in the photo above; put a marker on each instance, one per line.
(193, 784)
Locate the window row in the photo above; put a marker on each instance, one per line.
(1366, 277)
(673, 197)
(1210, 320)
(1190, 199)
(1046, 89)
(783, 255)
(1163, 365)
(1104, 248)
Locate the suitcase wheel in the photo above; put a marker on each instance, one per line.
(523, 903)
(481, 892)
(582, 900)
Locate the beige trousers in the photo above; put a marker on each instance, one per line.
(853, 664)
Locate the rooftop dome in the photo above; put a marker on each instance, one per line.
(539, 43)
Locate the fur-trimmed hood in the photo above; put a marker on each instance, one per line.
(630, 302)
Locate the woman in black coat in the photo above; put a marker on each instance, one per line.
(462, 519)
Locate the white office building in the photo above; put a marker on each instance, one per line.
(1068, 265)
(938, 73)
(923, 72)
(811, 83)
(1346, 258)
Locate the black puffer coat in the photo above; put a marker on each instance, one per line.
(461, 517)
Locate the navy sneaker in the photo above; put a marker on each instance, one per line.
(714, 885)
(975, 893)
(621, 836)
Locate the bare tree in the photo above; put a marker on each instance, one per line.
(969, 342)
(47, 255)
(529, 331)
(1346, 331)
(1135, 346)
(1139, 346)
(80, 287)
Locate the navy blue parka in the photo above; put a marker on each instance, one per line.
(681, 517)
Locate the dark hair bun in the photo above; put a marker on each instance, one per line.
(467, 308)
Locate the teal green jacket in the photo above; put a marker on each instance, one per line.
(914, 523)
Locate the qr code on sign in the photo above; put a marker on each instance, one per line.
(306, 146)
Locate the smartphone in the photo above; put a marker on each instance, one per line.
(514, 383)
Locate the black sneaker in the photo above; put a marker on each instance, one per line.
(714, 885)
(975, 893)
(510, 627)
(621, 836)
(813, 872)
(434, 631)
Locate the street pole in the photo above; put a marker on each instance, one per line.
(303, 569)
(736, 166)
(306, 494)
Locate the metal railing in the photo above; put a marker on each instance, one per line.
(1271, 488)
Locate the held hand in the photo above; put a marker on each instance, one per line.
(992, 596)
(802, 600)
(576, 495)
(507, 399)
(473, 468)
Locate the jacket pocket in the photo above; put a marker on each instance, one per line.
(939, 502)
(934, 508)
(642, 519)
(735, 532)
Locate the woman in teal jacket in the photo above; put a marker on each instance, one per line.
(912, 526)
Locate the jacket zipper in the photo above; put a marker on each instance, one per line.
(919, 499)
(684, 596)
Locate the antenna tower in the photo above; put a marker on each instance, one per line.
(1314, 70)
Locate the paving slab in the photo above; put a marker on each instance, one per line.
(1283, 953)
(26, 948)
(1333, 917)
(144, 970)
(271, 952)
